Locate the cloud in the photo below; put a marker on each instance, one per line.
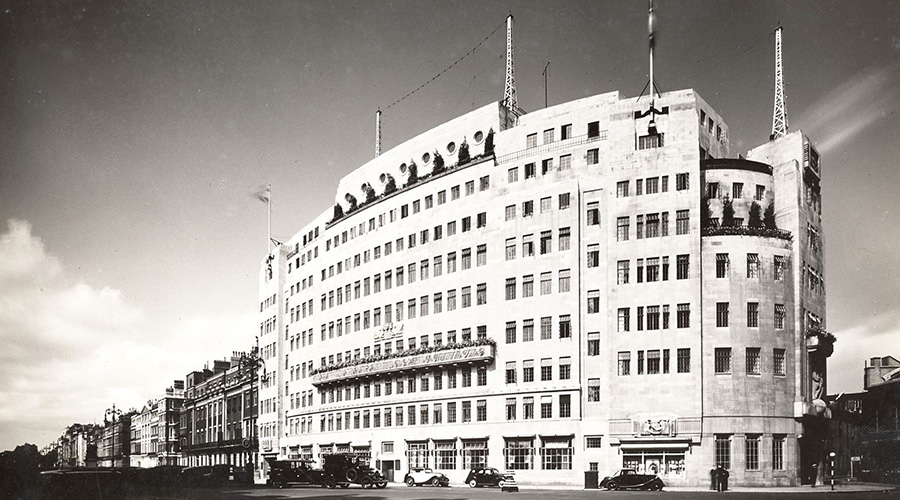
(71, 350)
(860, 102)
(878, 336)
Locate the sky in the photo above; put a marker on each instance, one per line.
(133, 133)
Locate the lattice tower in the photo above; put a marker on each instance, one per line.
(779, 117)
(509, 93)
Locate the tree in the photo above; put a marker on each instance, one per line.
(705, 212)
(370, 193)
(769, 216)
(413, 170)
(464, 152)
(352, 201)
(489, 142)
(755, 220)
(390, 185)
(338, 211)
(438, 163)
(727, 212)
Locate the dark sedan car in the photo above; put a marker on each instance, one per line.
(487, 477)
(630, 479)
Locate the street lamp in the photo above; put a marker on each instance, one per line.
(253, 363)
(831, 455)
(113, 413)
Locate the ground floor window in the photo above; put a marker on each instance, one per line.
(417, 453)
(475, 453)
(306, 452)
(363, 451)
(445, 455)
(556, 453)
(723, 450)
(667, 463)
(778, 452)
(519, 453)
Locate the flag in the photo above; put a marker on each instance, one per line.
(262, 193)
(651, 29)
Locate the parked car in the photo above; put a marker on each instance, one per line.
(632, 480)
(487, 477)
(342, 469)
(418, 476)
(283, 473)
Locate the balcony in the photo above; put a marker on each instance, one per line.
(443, 355)
(819, 341)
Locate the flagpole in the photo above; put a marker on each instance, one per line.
(269, 229)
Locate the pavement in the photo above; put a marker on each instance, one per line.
(839, 487)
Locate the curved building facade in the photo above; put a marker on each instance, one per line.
(554, 301)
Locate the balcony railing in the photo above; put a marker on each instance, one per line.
(465, 352)
(551, 146)
(746, 231)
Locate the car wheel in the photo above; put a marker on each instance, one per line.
(612, 485)
(351, 475)
(500, 483)
(382, 485)
(655, 486)
(410, 482)
(473, 483)
(330, 482)
(435, 481)
(366, 482)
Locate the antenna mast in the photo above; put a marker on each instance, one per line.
(546, 73)
(779, 117)
(509, 93)
(651, 34)
(378, 133)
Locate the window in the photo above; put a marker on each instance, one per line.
(778, 366)
(652, 184)
(778, 452)
(529, 170)
(624, 363)
(454, 193)
(528, 208)
(564, 201)
(751, 452)
(760, 193)
(651, 141)
(653, 269)
(752, 314)
(546, 283)
(510, 288)
(624, 319)
(466, 258)
(593, 344)
(470, 188)
(737, 190)
(593, 156)
(712, 190)
(481, 410)
(481, 220)
(593, 390)
(721, 314)
(510, 332)
(593, 255)
(565, 162)
(466, 297)
(528, 245)
(779, 268)
(653, 317)
(593, 129)
(593, 213)
(510, 249)
(593, 302)
(682, 181)
(652, 226)
(510, 410)
(556, 452)
(622, 228)
(640, 270)
(528, 286)
(682, 266)
(546, 407)
(682, 222)
(451, 410)
(753, 361)
(684, 361)
(528, 370)
(622, 189)
(722, 265)
(546, 328)
(528, 407)
(546, 204)
(531, 140)
(779, 316)
(481, 255)
(565, 281)
(510, 212)
(484, 183)
(753, 265)
(723, 360)
(548, 136)
(528, 330)
(512, 175)
(565, 326)
(481, 294)
(565, 406)
(546, 240)
(723, 451)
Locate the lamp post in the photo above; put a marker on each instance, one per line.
(831, 456)
(113, 413)
(253, 363)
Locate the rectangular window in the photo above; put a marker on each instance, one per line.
(721, 314)
(593, 301)
(593, 344)
(564, 280)
(510, 288)
(652, 226)
(652, 184)
(712, 190)
(564, 201)
(546, 240)
(565, 162)
(481, 294)
(760, 193)
(624, 363)
(564, 238)
(593, 255)
(531, 140)
(593, 213)
(528, 286)
(510, 249)
(565, 406)
(481, 255)
(510, 332)
(622, 228)
(546, 166)
(484, 183)
(737, 190)
(623, 270)
(779, 316)
(684, 360)
(753, 265)
(512, 175)
(593, 129)
(624, 319)
(546, 283)
(510, 409)
(451, 412)
(653, 269)
(682, 269)
(454, 193)
(529, 170)
(528, 370)
(622, 189)
(778, 366)
(753, 361)
(723, 451)
(466, 258)
(682, 222)
(546, 328)
(528, 407)
(528, 330)
(752, 314)
(682, 181)
(481, 220)
(548, 136)
(510, 212)
(593, 156)
(653, 317)
(470, 188)
(546, 407)
(593, 395)
(528, 208)
(466, 297)
(723, 360)
(651, 141)
(751, 452)
(780, 266)
(565, 326)
(778, 452)
(722, 265)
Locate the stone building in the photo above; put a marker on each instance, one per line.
(155, 429)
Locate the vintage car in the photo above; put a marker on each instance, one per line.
(487, 477)
(283, 473)
(343, 469)
(418, 476)
(631, 479)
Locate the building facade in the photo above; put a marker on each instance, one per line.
(155, 430)
(550, 293)
(77, 447)
(218, 418)
(114, 441)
